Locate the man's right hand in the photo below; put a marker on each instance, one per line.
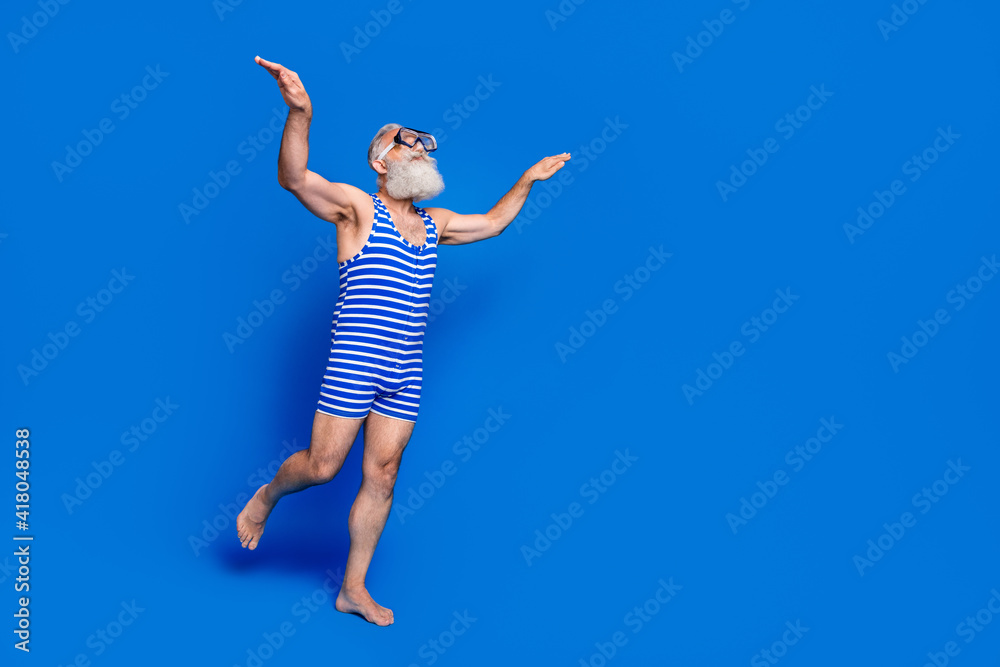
(288, 81)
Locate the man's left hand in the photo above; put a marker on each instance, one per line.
(546, 167)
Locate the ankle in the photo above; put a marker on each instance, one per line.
(352, 588)
(265, 499)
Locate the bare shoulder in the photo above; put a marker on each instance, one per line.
(441, 217)
(460, 228)
(439, 214)
(354, 204)
(340, 203)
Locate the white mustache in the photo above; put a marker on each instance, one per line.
(413, 155)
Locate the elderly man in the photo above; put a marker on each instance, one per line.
(387, 252)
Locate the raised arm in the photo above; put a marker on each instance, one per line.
(457, 229)
(333, 202)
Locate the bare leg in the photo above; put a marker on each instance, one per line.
(385, 439)
(331, 441)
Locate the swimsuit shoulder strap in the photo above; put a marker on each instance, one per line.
(428, 221)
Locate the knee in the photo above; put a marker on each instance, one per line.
(322, 471)
(380, 480)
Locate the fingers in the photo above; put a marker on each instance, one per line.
(555, 162)
(547, 166)
(274, 69)
(556, 159)
(267, 64)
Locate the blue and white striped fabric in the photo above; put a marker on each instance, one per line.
(376, 358)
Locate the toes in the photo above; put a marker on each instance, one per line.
(385, 616)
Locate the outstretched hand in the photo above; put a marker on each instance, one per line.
(546, 167)
(288, 82)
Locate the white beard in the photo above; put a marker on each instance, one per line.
(413, 179)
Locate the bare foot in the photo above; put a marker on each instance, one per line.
(250, 522)
(358, 601)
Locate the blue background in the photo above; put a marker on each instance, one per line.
(697, 457)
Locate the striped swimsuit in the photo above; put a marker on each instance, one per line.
(376, 356)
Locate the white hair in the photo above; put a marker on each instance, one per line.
(376, 147)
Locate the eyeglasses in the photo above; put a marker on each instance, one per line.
(409, 137)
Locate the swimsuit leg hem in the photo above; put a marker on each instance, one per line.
(403, 419)
(330, 412)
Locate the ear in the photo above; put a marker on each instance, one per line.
(379, 166)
